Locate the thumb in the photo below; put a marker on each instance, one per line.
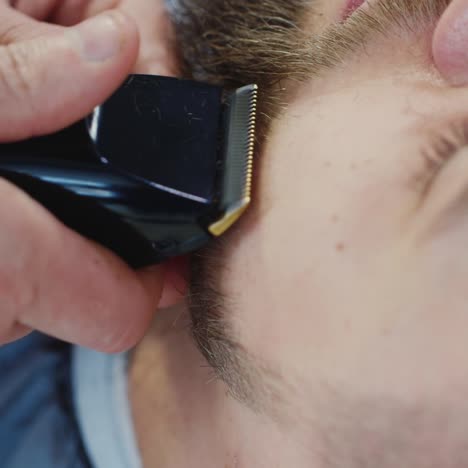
(49, 82)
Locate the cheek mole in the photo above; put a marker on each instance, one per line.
(340, 247)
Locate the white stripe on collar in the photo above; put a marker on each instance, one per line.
(100, 394)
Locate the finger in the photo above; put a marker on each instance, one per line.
(54, 80)
(15, 27)
(54, 281)
(73, 11)
(70, 12)
(38, 9)
(64, 12)
(15, 333)
(449, 43)
(157, 53)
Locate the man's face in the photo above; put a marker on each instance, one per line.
(351, 270)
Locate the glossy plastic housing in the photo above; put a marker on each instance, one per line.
(140, 176)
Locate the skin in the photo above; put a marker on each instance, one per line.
(50, 77)
(51, 279)
(154, 54)
(449, 51)
(349, 272)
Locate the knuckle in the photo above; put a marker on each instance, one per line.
(13, 27)
(10, 33)
(16, 71)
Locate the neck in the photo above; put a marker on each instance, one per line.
(180, 411)
(184, 417)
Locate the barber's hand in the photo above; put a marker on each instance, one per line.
(156, 56)
(156, 53)
(51, 279)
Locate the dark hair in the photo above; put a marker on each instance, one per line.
(232, 43)
(236, 42)
(268, 42)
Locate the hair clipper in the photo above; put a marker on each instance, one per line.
(159, 169)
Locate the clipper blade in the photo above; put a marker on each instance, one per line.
(239, 147)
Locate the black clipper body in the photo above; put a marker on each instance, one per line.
(156, 171)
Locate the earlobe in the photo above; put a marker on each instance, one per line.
(176, 282)
(449, 44)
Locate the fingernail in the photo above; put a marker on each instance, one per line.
(101, 38)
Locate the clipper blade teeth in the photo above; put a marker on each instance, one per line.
(239, 152)
(251, 142)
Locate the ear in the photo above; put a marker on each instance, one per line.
(176, 282)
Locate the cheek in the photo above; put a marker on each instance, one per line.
(384, 322)
(332, 182)
(316, 264)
